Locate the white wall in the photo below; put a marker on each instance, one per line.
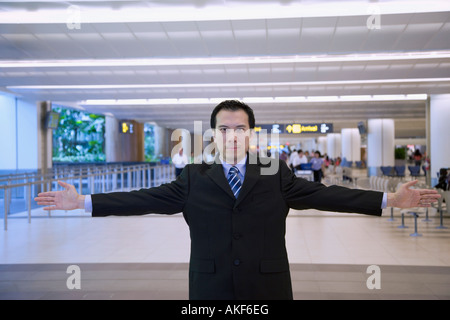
(27, 124)
(439, 134)
(18, 134)
(8, 150)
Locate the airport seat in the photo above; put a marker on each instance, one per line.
(414, 170)
(387, 171)
(400, 171)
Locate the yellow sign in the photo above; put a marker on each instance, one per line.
(298, 128)
(126, 127)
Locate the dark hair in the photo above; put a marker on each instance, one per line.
(233, 105)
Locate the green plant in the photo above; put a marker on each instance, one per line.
(149, 143)
(400, 153)
(79, 137)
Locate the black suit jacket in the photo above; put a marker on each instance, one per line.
(237, 245)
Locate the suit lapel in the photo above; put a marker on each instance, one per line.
(217, 175)
(252, 173)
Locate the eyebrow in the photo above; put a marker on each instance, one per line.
(238, 126)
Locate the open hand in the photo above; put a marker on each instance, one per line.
(405, 197)
(68, 199)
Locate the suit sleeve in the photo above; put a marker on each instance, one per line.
(302, 194)
(168, 198)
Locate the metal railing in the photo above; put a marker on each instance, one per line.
(86, 179)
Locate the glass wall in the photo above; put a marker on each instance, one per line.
(79, 137)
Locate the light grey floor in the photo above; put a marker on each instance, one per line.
(147, 257)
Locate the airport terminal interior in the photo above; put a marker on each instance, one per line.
(104, 94)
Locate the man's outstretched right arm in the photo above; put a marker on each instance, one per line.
(166, 199)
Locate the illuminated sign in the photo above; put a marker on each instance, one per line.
(296, 128)
(309, 128)
(126, 127)
(274, 128)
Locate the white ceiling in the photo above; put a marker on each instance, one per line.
(289, 53)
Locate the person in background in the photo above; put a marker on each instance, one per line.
(299, 160)
(284, 156)
(326, 161)
(180, 160)
(317, 166)
(292, 157)
(443, 182)
(417, 157)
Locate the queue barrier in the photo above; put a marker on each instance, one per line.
(86, 179)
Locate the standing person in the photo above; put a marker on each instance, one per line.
(417, 157)
(292, 158)
(236, 210)
(180, 160)
(317, 167)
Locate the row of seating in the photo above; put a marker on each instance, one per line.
(399, 171)
(349, 164)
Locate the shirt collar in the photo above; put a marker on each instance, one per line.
(240, 165)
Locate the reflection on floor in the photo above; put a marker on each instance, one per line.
(168, 281)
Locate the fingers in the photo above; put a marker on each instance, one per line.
(65, 185)
(47, 194)
(410, 183)
(428, 191)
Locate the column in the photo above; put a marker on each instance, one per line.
(45, 136)
(439, 121)
(380, 144)
(124, 147)
(351, 144)
(334, 145)
(112, 141)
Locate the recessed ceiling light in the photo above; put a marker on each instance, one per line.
(272, 100)
(20, 64)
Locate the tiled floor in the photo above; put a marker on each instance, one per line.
(146, 257)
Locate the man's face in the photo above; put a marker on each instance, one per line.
(232, 135)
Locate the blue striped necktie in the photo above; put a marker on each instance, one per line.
(234, 181)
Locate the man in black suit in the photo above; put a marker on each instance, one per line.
(237, 228)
